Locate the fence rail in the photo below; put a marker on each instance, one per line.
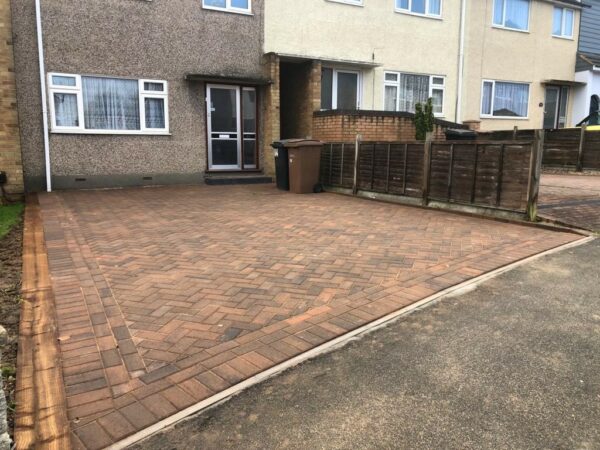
(496, 175)
(567, 148)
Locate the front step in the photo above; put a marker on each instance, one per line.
(220, 179)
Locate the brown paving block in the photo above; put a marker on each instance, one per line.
(93, 436)
(196, 389)
(138, 415)
(178, 397)
(212, 381)
(158, 405)
(229, 374)
(116, 425)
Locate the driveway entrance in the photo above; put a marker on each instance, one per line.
(166, 296)
(571, 199)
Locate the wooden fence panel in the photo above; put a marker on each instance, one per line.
(490, 174)
(561, 147)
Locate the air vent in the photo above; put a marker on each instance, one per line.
(80, 179)
(147, 178)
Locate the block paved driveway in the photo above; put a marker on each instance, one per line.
(166, 296)
(571, 199)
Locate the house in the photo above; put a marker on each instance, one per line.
(139, 92)
(492, 64)
(519, 59)
(152, 92)
(587, 68)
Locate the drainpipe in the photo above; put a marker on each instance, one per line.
(40, 43)
(461, 61)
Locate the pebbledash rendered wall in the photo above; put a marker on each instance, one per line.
(162, 40)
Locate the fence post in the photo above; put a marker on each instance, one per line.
(535, 173)
(581, 147)
(356, 150)
(427, 166)
(515, 133)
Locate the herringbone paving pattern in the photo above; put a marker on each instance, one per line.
(571, 199)
(166, 296)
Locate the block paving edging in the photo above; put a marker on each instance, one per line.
(111, 395)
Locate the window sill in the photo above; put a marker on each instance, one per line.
(424, 16)
(346, 2)
(230, 11)
(503, 118)
(113, 132)
(564, 38)
(500, 27)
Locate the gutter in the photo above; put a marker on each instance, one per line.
(461, 62)
(40, 44)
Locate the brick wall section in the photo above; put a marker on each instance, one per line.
(270, 113)
(10, 144)
(338, 126)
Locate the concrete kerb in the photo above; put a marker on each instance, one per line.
(332, 345)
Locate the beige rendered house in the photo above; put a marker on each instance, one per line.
(493, 64)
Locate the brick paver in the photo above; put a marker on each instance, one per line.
(166, 296)
(571, 199)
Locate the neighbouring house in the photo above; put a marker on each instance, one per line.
(140, 92)
(587, 68)
(519, 59)
(10, 145)
(491, 64)
(342, 67)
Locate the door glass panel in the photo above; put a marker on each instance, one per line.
(250, 153)
(224, 152)
(550, 108)
(249, 108)
(224, 110)
(249, 121)
(562, 107)
(347, 87)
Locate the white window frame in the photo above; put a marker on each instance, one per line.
(334, 85)
(59, 89)
(412, 13)
(432, 87)
(78, 91)
(502, 25)
(229, 8)
(562, 34)
(491, 115)
(162, 95)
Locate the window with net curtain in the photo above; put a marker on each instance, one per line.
(102, 103)
(403, 91)
(512, 14)
(502, 99)
(425, 7)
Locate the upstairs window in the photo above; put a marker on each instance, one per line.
(512, 14)
(402, 91)
(563, 23)
(101, 105)
(238, 6)
(420, 7)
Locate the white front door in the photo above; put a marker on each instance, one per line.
(224, 137)
(232, 127)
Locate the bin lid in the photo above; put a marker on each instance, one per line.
(461, 132)
(294, 143)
